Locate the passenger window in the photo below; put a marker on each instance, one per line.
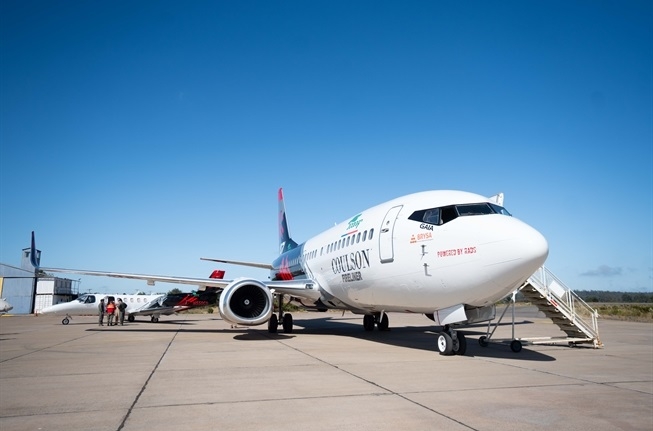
(371, 234)
(358, 238)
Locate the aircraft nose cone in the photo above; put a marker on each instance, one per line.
(535, 249)
(531, 249)
(515, 252)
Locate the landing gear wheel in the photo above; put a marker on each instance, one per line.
(368, 322)
(130, 318)
(459, 344)
(65, 321)
(445, 344)
(515, 346)
(155, 319)
(384, 323)
(287, 323)
(483, 341)
(273, 323)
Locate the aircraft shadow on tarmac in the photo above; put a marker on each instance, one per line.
(411, 337)
(414, 337)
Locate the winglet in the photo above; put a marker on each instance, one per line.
(285, 242)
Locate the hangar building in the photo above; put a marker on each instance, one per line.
(20, 288)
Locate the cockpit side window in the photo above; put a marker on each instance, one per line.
(500, 210)
(449, 213)
(432, 216)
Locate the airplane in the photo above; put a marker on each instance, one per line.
(447, 254)
(172, 303)
(87, 304)
(5, 307)
(138, 305)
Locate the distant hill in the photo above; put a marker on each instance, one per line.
(609, 297)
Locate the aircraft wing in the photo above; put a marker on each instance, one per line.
(150, 279)
(298, 287)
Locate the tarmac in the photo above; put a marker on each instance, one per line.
(195, 372)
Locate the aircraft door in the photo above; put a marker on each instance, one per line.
(386, 250)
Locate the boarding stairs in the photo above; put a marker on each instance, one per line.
(565, 308)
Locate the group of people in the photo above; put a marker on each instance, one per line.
(115, 312)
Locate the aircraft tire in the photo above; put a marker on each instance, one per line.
(65, 321)
(483, 341)
(515, 346)
(384, 323)
(273, 323)
(460, 345)
(445, 344)
(287, 323)
(130, 318)
(368, 322)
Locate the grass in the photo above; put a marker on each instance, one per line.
(625, 311)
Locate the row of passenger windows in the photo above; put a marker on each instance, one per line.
(90, 299)
(337, 245)
(442, 215)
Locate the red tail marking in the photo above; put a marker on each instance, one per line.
(218, 273)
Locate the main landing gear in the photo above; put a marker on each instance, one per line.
(379, 319)
(285, 319)
(451, 342)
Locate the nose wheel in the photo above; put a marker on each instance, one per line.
(451, 342)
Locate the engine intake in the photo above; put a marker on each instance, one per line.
(246, 301)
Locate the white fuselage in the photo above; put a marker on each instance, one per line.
(381, 260)
(5, 307)
(87, 304)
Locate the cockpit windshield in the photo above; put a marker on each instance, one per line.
(86, 299)
(442, 215)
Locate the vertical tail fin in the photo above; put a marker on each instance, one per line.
(34, 254)
(285, 242)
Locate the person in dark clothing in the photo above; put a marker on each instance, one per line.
(122, 306)
(100, 311)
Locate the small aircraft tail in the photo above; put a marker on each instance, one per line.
(218, 274)
(285, 242)
(32, 253)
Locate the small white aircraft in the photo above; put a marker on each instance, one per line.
(5, 307)
(450, 255)
(137, 305)
(87, 304)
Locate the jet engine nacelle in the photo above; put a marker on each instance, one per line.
(246, 301)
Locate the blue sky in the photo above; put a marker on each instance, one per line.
(141, 136)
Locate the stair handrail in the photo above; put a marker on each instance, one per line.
(543, 278)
